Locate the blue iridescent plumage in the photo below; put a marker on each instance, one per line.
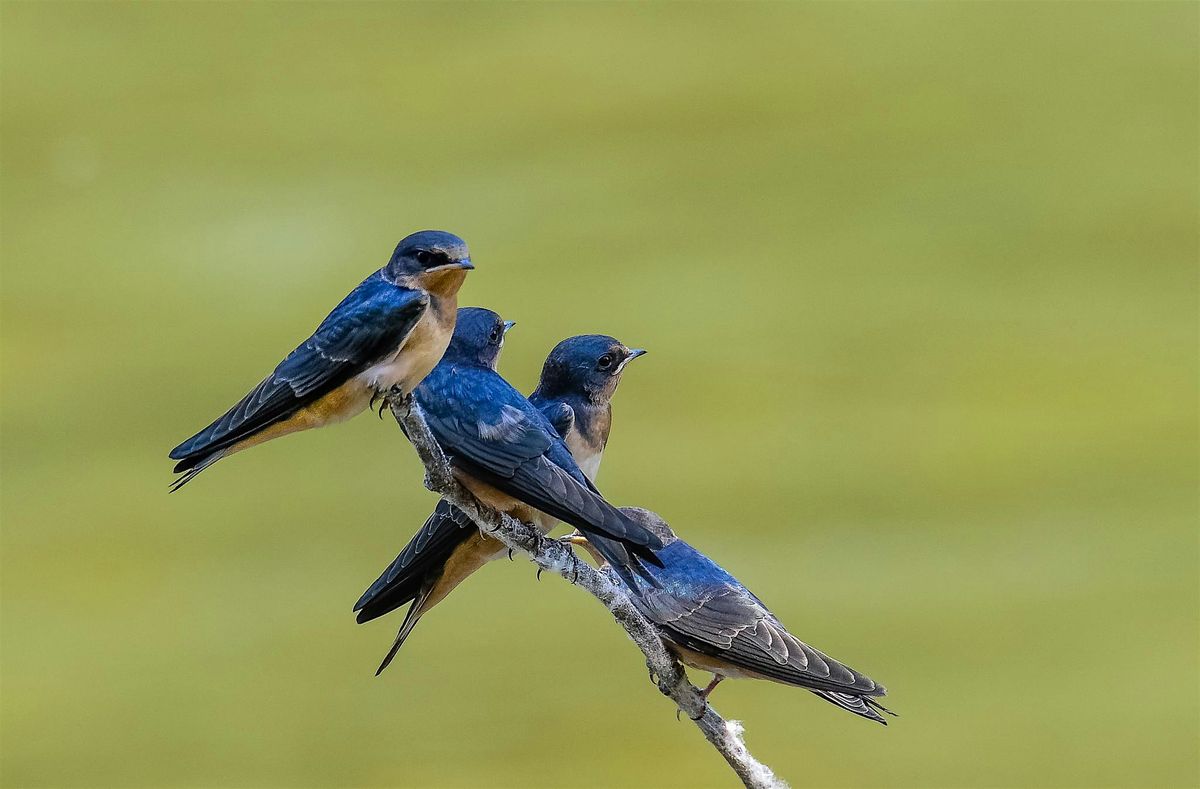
(368, 330)
(594, 362)
(714, 623)
(493, 434)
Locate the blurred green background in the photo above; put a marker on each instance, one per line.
(919, 283)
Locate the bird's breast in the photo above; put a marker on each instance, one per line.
(587, 454)
(420, 351)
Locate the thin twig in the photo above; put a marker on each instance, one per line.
(554, 556)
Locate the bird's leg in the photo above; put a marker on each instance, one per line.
(716, 680)
(395, 396)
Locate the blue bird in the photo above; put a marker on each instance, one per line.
(713, 623)
(574, 394)
(381, 341)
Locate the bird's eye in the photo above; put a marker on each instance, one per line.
(495, 338)
(606, 361)
(424, 258)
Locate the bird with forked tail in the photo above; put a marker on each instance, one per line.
(380, 341)
(714, 623)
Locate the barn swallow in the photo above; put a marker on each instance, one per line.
(575, 392)
(714, 623)
(381, 341)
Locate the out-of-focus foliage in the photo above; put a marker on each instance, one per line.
(919, 283)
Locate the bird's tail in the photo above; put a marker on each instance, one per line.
(858, 704)
(414, 614)
(189, 468)
(427, 552)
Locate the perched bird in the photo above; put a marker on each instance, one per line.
(575, 392)
(381, 341)
(714, 623)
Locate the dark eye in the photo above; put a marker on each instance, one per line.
(424, 258)
(495, 338)
(606, 361)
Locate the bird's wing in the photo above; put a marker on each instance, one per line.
(724, 620)
(476, 415)
(500, 439)
(494, 433)
(370, 323)
(560, 415)
(425, 553)
(552, 490)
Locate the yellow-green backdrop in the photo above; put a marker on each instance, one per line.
(919, 284)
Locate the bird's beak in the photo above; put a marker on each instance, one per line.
(633, 354)
(508, 325)
(465, 264)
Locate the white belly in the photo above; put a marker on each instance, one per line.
(420, 353)
(586, 457)
(590, 465)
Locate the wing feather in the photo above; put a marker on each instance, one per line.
(722, 619)
(558, 414)
(371, 322)
(491, 431)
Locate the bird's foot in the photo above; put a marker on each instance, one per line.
(574, 538)
(393, 397)
(710, 687)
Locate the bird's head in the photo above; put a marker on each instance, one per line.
(588, 366)
(432, 260)
(653, 523)
(478, 336)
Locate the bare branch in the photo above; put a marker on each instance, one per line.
(554, 556)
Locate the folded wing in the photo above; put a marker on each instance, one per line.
(372, 321)
(491, 431)
(718, 617)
